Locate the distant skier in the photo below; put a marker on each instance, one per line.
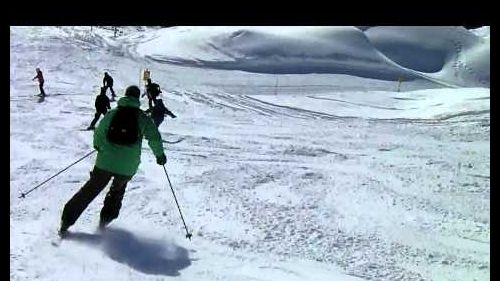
(152, 91)
(159, 111)
(101, 107)
(107, 82)
(118, 141)
(39, 76)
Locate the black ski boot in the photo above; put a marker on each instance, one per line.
(102, 225)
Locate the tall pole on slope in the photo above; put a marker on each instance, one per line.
(276, 87)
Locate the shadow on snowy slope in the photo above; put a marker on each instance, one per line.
(142, 254)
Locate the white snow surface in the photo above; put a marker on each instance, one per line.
(320, 172)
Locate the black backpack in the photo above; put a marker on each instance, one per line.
(101, 103)
(124, 127)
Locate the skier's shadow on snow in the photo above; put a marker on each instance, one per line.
(142, 254)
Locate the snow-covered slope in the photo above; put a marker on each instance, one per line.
(452, 54)
(279, 177)
(457, 55)
(273, 50)
(482, 31)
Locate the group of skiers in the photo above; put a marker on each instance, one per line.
(117, 140)
(157, 109)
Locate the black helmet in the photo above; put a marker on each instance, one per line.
(133, 91)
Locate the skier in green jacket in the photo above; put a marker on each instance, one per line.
(117, 139)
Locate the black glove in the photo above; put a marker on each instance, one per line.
(161, 160)
(169, 113)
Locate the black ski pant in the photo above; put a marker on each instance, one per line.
(150, 100)
(42, 92)
(158, 120)
(111, 89)
(96, 118)
(112, 203)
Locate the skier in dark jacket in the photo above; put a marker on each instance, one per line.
(107, 82)
(117, 161)
(101, 107)
(39, 76)
(152, 91)
(159, 111)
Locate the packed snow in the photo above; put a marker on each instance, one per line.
(308, 153)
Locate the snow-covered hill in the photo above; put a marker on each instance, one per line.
(451, 55)
(284, 173)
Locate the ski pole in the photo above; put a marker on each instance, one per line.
(188, 235)
(23, 194)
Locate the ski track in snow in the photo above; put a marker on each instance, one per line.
(261, 185)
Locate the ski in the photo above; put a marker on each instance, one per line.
(172, 142)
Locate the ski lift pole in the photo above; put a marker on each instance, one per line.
(276, 87)
(400, 80)
(23, 194)
(188, 235)
(145, 75)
